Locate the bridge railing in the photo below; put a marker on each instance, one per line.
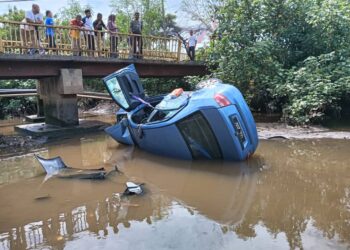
(24, 38)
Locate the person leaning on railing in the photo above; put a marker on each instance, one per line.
(50, 33)
(77, 24)
(29, 33)
(98, 26)
(90, 38)
(113, 38)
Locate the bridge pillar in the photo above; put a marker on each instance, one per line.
(59, 95)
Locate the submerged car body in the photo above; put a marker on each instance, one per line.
(211, 123)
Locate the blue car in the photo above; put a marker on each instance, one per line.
(211, 123)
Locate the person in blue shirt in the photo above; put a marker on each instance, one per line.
(50, 32)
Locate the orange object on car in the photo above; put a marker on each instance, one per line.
(177, 92)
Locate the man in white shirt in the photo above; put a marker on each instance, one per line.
(88, 26)
(192, 42)
(30, 33)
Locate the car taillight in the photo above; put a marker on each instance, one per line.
(221, 100)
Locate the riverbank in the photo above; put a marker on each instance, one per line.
(282, 130)
(14, 144)
(18, 144)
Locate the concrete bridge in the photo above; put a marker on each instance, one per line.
(60, 69)
(17, 66)
(60, 78)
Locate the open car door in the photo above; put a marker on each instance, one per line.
(123, 86)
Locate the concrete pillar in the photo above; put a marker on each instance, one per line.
(40, 107)
(39, 102)
(59, 96)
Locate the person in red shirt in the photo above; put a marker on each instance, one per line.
(77, 24)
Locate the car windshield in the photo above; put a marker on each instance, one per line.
(170, 102)
(116, 92)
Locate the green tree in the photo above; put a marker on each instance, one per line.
(155, 20)
(275, 50)
(169, 26)
(69, 12)
(13, 14)
(203, 11)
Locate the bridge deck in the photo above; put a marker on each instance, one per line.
(14, 66)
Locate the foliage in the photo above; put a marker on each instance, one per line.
(169, 26)
(203, 11)
(270, 47)
(152, 13)
(316, 88)
(156, 86)
(94, 85)
(20, 105)
(18, 84)
(123, 21)
(13, 14)
(69, 12)
(11, 107)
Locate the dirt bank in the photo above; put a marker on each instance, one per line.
(278, 130)
(102, 108)
(18, 144)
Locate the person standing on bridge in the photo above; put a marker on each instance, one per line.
(50, 33)
(113, 33)
(136, 38)
(98, 26)
(74, 33)
(29, 33)
(88, 26)
(192, 43)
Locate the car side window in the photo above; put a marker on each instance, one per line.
(199, 137)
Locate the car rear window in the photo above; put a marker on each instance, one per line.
(199, 137)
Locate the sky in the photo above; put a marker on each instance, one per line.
(172, 6)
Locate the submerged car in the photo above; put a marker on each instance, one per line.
(213, 122)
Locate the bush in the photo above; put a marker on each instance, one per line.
(316, 90)
(19, 105)
(285, 56)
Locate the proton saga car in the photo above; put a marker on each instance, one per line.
(213, 122)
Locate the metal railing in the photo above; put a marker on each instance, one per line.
(33, 92)
(24, 38)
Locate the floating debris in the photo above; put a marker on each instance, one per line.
(277, 137)
(56, 167)
(42, 197)
(132, 188)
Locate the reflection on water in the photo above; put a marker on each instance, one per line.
(7, 126)
(291, 194)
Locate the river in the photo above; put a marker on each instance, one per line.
(290, 194)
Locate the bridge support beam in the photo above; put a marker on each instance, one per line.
(59, 95)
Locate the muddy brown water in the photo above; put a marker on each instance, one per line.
(291, 194)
